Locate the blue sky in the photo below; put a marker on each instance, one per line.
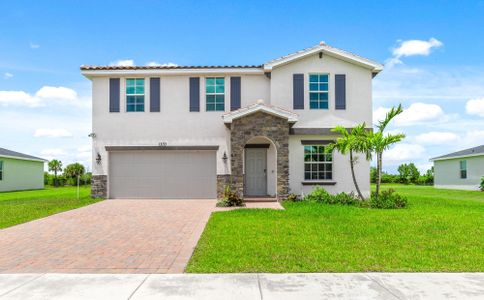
(433, 52)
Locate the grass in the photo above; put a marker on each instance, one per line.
(23, 206)
(440, 230)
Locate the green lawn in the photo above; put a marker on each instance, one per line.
(441, 230)
(23, 206)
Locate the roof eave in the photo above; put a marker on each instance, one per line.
(24, 158)
(457, 156)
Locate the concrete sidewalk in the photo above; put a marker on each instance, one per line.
(244, 286)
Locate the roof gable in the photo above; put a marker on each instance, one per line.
(328, 50)
(17, 155)
(259, 106)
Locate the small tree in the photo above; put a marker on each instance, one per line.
(351, 142)
(408, 173)
(380, 142)
(55, 166)
(74, 170)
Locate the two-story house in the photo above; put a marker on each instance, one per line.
(188, 131)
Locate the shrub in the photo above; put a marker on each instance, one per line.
(482, 184)
(320, 195)
(346, 199)
(293, 198)
(230, 199)
(387, 200)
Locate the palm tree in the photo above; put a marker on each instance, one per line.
(352, 142)
(55, 166)
(380, 142)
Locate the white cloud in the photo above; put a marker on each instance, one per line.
(51, 92)
(436, 138)
(474, 138)
(19, 98)
(52, 132)
(123, 63)
(157, 64)
(54, 153)
(403, 152)
(412, 48)
(416, 113)
(44, 96)
(475, 107)
(7, 75)
(34, 46)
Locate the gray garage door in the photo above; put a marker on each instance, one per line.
(169, 174)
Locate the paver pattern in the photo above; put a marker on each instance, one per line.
(111, 236)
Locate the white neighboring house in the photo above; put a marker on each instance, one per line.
(188, 131)
(460, 170)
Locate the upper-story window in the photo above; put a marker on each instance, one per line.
(215, 93)
(318, 91)
(135, 94)
(1, 170)
(463, 169)
(318, 165)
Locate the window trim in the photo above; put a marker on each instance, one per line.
(126, 94)
(215, 93)
(318, 92)
(322, 181)
(463, 169)
(2, 170)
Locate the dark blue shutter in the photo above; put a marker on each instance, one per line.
(194, 94)
(113, 94)
(154, 94)
(234, 93)
(340, 91)
(298, 91)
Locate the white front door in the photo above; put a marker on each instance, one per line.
(255, 172)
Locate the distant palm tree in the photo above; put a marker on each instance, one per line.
(380, 142)
(55, 166)
(352, 142)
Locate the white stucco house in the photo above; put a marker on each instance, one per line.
(20, 171)
(188, 131)
(461, 170)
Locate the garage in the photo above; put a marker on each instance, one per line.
(168, 173)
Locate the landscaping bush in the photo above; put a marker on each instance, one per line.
(387, 200)
(293, 198)
(230, 199)
(320, 195)
(482, 184)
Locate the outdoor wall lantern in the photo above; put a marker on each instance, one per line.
(98, 159)
(224, 157)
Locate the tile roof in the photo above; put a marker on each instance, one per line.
(10, 153)
(94, 68)
(471, 151)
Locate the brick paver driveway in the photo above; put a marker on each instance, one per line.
(112, 236)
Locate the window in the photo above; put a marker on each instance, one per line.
(318, 91)
(463, 169)
(1, 170)
(318, 165)
(215, 93)
(135, 94)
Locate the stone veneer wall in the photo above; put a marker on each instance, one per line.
(264, 125)
(99, 186)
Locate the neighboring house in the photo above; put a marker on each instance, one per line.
(20, 171)
(188, 131)
(460, 170)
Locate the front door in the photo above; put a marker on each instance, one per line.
(255, 172)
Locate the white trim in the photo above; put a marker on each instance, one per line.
(214, 71)
(455, 157)
(272, 110)
(335, 52)
(24, 158)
